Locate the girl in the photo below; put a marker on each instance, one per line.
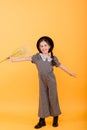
(48, 97)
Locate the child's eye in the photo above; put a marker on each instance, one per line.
(41, 45)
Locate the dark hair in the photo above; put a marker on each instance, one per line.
(50, 42)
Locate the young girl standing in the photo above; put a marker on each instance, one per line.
(48, 96)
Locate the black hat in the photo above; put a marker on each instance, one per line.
(46, 39)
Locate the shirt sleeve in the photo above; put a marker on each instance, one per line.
(57, 61)
(34, 58)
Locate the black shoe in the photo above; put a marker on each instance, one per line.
(55, 121)
(40, 124)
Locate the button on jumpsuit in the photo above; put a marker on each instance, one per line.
(48, 97)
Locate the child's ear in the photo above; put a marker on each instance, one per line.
(49, 47)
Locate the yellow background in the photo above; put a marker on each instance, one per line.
(23, 22)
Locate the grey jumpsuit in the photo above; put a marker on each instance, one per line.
(48, 97)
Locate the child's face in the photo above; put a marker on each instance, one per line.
(44, 47)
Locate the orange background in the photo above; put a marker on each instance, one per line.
(23, 22)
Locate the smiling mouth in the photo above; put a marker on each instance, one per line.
(45, 50)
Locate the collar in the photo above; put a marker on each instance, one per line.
(44, 57)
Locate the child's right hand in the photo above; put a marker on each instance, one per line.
(10, 58)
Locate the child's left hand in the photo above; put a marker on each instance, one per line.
(73, 75)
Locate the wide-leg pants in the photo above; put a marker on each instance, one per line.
(48, 96)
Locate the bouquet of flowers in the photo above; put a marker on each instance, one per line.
(17, 53)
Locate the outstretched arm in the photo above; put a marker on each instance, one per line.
(19, 59)
(64, 68)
